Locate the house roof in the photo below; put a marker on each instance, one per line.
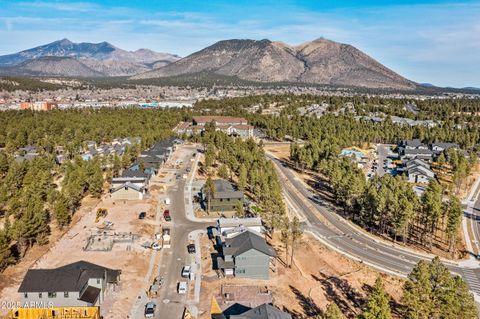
(224, 189)
(445, 145)
(265, 311)
(417, 162)
(219, 119)
(71, 277)
(412, 143)
(139, 174)
(235, 222)
(126, 179)
(246, 241)
(128, 185)
(421, 170)
(418, 151)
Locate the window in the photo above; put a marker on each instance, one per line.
(52, 295)
(25, 295)
(240, 271)
(98, 281)
(65, 294)
(40, 295)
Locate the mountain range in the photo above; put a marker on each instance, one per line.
(317, 62)
(66, 58)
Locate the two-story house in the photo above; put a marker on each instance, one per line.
(81, 284)
(225, 198)
(246, 255)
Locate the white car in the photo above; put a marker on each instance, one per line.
(186, 271)
(156, 246)
(182, 287)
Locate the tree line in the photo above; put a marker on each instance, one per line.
(38, 194)
(244, 161)
(430, 292)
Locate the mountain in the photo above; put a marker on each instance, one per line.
(103, 59)
(52, 66)
(318, 62)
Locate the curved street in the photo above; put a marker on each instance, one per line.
(349, 240)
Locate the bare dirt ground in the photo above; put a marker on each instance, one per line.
(131, 259)
(318, 277)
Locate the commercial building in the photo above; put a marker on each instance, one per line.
(38, 106)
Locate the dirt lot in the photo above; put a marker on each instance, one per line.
(130, 258)
(318, 277)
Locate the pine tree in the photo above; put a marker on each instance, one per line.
(378, 303)
(296, 234)
(223, 172)
(242, 178)
(95, 180)
(6, 256)
(209, 189)
(454, 219)
(61, 212)
(333, 312)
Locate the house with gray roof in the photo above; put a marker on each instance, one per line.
(81, 284)
(225, 198)
(265, 311)
(246, 255)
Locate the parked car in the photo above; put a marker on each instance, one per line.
(186, 271)
(142, 215)
(156, 246)
(191, 248)
(166, 215)
(150, 309)
(182, 287)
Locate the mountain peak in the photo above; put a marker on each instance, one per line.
(320, 61)
(63, 41)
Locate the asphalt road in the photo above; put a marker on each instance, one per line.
(170, 304)
(347, 239)
(382, 150)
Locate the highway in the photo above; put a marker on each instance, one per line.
(347, 239)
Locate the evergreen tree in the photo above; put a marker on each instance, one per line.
(454, 219)
(378, 303)
(333, 312)
(6, 256)
(296, 234)
(242, 178)
(223, 171)
(209, 189)
(61, 212)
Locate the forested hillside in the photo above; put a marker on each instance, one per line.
(38, 194)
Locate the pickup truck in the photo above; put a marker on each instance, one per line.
(186, 271)
(182, 287)
(166, 239)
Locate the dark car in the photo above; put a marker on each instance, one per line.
(142, 215)
(191, 248)
(150, 310)
(166, 215)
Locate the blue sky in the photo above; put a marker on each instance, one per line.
(426, 41)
